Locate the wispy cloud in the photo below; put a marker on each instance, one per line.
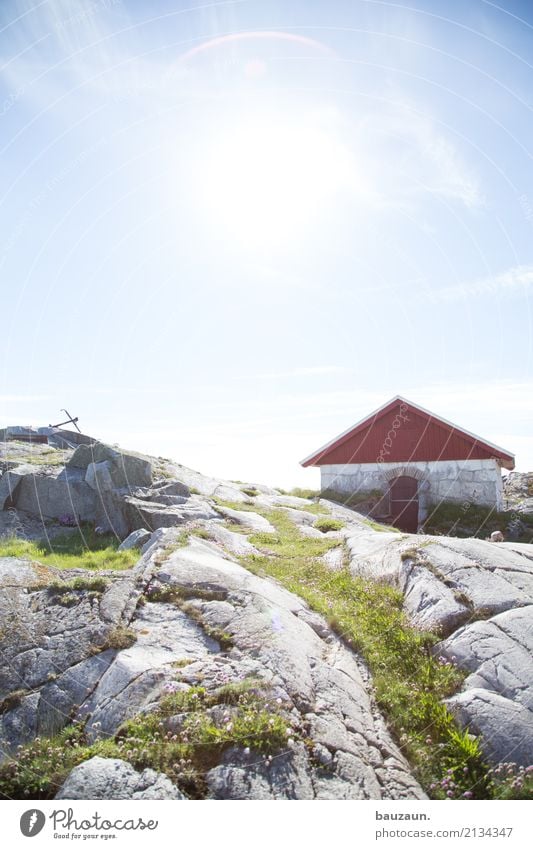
(447, 174)
(30, 399)
(519, 278)
(415, 156)
(303, 371)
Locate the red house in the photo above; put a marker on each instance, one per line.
(414, 459)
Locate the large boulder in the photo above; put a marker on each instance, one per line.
(57, 494)
(10, 483)
(135, 540)
(125, 470)
(112, 514)
(497, 701)
(110, 509)
(207, 486)
(505, 726)
(171, 488)
(247, 518)
(152, 515)
(99, 476)
(479, 596)
(113, 778)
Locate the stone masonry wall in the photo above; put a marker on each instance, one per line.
(475, 481)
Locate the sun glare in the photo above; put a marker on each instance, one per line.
(264, 183)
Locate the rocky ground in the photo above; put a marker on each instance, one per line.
(518, 492)
(191, 648)
(478, 596)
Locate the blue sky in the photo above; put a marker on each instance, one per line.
(230, 230)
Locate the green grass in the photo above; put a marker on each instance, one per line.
(37, 454)
(326, 525)
(471, 520)
(184, 753)
(242, 506)
(69, 593)
(202, 533)
(83, 549)
(97, 585)
(41, 767)
(234, 527)
(36, 460)
(316, 508)
(298, 492)
(410, 683)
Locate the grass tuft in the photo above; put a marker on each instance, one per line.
(326, 525)
(298, 492)
(117, 638)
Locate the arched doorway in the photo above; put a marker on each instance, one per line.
(403, 494)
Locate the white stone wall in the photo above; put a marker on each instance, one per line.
(472, 481)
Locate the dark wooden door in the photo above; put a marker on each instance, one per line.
(404, 503)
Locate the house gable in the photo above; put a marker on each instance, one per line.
(402, 432)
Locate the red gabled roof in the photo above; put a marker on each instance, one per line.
(401, 431)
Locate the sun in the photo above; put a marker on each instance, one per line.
(266, 182)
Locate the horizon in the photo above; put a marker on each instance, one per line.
(231, 231)
(218, 470)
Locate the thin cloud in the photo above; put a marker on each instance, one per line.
(519, 279)
(30, 399)
(416, 157)
(304, 371)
